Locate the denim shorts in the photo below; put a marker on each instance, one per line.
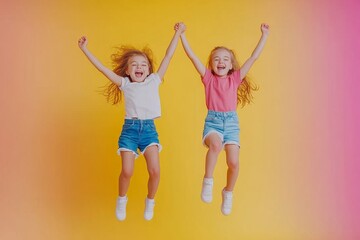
(225, 125)
(138, 134)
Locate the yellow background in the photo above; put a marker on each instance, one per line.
(59, 168)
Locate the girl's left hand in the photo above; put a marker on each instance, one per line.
(180, 26)
(265, 28)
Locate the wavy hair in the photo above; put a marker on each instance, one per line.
(120, 61)
(246, 88)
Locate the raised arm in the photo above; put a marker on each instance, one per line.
(99, 66)
(169, 52)
(257, 51)
(189, 52)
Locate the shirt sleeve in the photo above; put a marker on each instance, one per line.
(207, 77)
(237, 79)
(124, 82)
(156, 77)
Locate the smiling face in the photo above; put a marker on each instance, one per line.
(221, 62)
(138, 68)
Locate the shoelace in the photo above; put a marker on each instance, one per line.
(149, 206)
(208, 187)
(227, 201)
(122, 205)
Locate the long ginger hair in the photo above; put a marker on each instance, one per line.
(120, 60)
(246, 88)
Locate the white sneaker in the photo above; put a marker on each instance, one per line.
(121, 208)
(226, 202)
(207, 188)
(149, 209)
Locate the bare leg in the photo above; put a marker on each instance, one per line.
(153, 165)
(232, 160)
(127, 171)
(214, 144)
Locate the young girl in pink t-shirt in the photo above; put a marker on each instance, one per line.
(226, 86)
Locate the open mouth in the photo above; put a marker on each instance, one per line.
(138, 74)
(221, 68)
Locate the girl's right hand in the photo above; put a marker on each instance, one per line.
(180, 26)
(265, 28)
(82, 42)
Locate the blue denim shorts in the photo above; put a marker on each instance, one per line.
(138, 134)
(225, 125)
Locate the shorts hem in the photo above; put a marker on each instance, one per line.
(152, 144)
(210, 132)
(232, 143)
(127, 150)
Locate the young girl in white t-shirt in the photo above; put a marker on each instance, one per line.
(134, 76)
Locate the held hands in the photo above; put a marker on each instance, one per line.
(180, 27)
(82, 42)
(265, 29)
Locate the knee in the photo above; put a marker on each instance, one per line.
(126, 173)
(154, 173)
(233, 164)
(215, 146)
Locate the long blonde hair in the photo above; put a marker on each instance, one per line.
(120, 60)
(244, 92)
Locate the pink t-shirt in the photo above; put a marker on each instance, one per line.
(221, 93)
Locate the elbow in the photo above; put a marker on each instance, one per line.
(254, 57)
(192, 57)
(103, 71)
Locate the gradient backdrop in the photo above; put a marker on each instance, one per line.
(300, 152)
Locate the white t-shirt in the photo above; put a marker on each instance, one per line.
(142, 99)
